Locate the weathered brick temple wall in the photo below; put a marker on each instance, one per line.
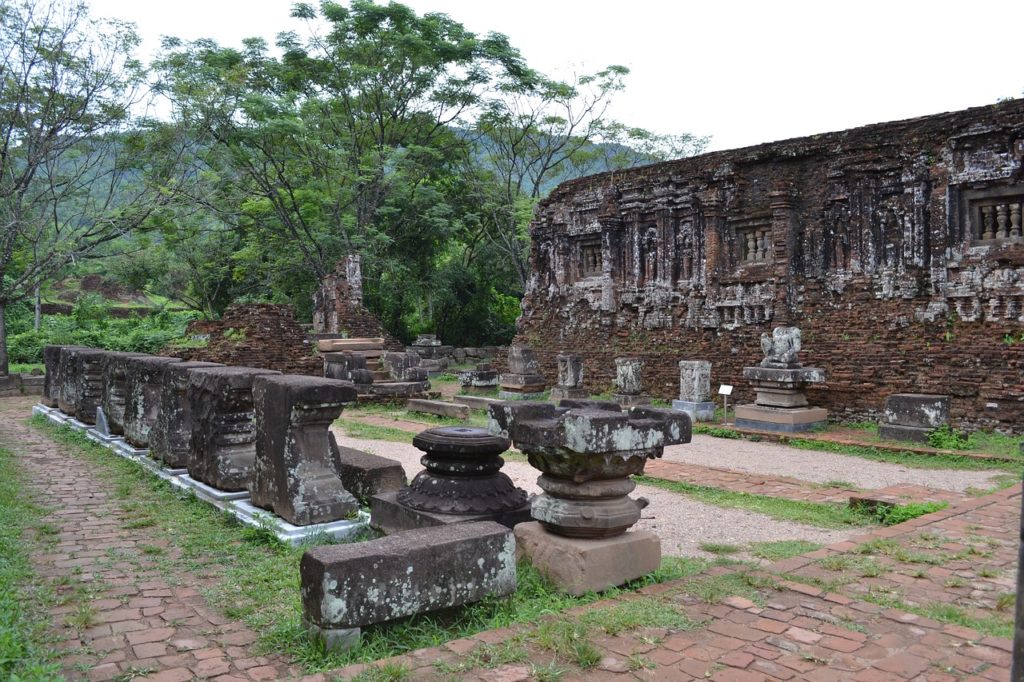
(254, 335)
(895, 247)
(338, 306)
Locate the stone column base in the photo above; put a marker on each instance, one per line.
(578, 565)
(389, 516)
(558, 393)
(699, 412)
(517, 395)
(782, 419)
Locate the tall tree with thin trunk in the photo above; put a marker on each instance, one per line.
(71, 180)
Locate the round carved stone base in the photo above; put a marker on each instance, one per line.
(462, 475)
(594, 509)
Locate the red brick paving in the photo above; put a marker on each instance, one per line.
(800, 631)
(142, 621)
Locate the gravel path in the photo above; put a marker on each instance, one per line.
(781, 460)
(681, 523)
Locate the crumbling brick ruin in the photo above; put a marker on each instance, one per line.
(338, 306)
(254, 335)
(895, 247)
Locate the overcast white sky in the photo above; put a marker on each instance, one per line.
(744, 72)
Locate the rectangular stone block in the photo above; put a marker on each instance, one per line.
(350, 344)
(916, 409)
(115, 389)
(785, 378)
(916, 434)
(10, 385)
(355, 585)
(143, 396)
(223, 426)
(364, 474)
(84, 382)
(476, 402)
(51, 384)
(577, 565)
(170, 439)
(772, 396)
(694, 381)
(294, 472)
(438, 407)
(511, 382)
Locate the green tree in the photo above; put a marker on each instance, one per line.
(71, 179)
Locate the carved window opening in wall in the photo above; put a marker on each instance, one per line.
(994, 216)
(591, 262)
(753, 242)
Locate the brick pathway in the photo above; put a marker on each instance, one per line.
(123, 618)
(800, 631)
(815, 617)
(790, 488)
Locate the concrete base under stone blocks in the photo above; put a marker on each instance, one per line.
(342, 529)
(577, 565)
(780, 419)
(388, 516)
(699, 412)
(209, 493)
(126, 449)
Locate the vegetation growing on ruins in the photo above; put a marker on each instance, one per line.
(369, 129)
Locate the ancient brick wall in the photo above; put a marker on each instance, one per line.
(254, 335)
(338, 306)
(896, 248)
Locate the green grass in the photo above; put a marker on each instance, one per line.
(782, 549)
(811, 513)
(356, 429)
(25, 645)
(909, 459)
(25, 367)
(257, 578)
(719, 548)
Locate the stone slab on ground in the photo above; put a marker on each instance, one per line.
(917, 409)
(914, 434)
(438, 407)
(355, 585)
(390, 516)
(364, 474)
(476, 402)
(577, 565)
(787, 420)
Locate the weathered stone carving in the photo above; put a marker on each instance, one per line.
(143, 396)
(780, 381)
(781, 347)
(629, 382)
(52, 381)
(294, 473)
(78, 381)
(170, 438)
(587, 450)
(462, 481)
(404, 366)
(463, 473)
(913, 416)
(115, 389)
(521, 381)
(223, 427)
(483, 379)
(695, 390)
(570, 378)
(347, 587)
(893, 233)
(364, 474)
(346, 366)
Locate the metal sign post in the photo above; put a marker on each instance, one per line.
(725, 390)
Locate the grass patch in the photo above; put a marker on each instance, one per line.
(25, 645)
(257, 580)
(357, 429)
(782, 549)
(818, 514)
(909, 459)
